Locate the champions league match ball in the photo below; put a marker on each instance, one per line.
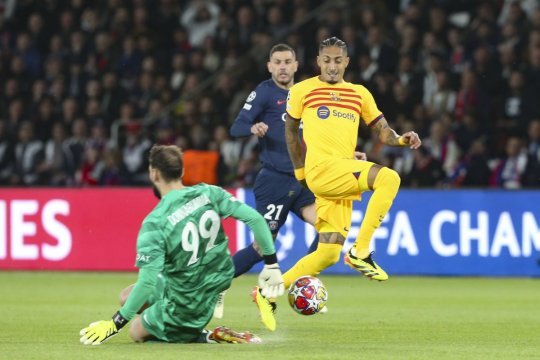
(307, 295)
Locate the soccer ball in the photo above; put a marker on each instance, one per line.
(307, 295)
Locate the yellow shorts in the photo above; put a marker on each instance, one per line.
(336, 183)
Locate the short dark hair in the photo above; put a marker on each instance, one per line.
(281, 47)
(333, 41)
(168, 160)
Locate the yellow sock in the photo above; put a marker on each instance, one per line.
(385, 188)
(312, 264)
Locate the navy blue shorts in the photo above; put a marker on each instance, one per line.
(276, 194)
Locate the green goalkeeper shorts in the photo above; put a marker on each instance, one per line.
(154, 321)
(157, 322)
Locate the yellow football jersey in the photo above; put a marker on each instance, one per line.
(331, 115)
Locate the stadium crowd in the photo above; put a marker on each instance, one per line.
(88, 86)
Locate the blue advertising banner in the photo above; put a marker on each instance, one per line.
(436, 232)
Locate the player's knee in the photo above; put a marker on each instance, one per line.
(389, 179)
(328, 255)
(135, 332)
(124, 294)
(135, 336)
(122, 297)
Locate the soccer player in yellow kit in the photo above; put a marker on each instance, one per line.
(331, 109)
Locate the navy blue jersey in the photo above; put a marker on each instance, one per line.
(276, 194)
(266, 104)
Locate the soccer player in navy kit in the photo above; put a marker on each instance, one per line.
(276, 190)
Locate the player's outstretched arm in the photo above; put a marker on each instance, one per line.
(389, 137)
(150, 259)
(100, 331)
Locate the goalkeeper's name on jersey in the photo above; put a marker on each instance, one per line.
(187, 209)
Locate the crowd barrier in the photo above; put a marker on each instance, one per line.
(427, 232)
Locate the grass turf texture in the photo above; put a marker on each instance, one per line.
(405, 318)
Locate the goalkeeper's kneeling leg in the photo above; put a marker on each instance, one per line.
(124, 294)
(137, 332)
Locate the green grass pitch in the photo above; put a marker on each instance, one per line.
(405, 318)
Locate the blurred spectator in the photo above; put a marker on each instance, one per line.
(208, 115)
(29, 53)
(474, 170)
(434, 64)
(178, 70)
(533, 139)
(409, 77)
(135, 155)
(532, 70)
(518, 105)
(457, 50)
(470, 98)
(8, 7)
(373, 148)
(442, 147)
(276, 24)
(59, 166)
(230, 149)
(15, 116)
(78, 141)
(98, 137)
(468, 131)
(517, 169)
(507, 58)
(44, 119)
(245, 26)
(427, 170)
(91, 168)
(199, 137)
(201, 19)
(29, 157)
(514, 10)
(488, 74)
(110, 172)
(246, 173)
(76, 80)
(443, 99)
(164, 133)
(6, 154)
(112, 96)
(403, 101)
(379, 51)
(129, 63)
(179, 66)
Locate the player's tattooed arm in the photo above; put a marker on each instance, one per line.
(385, 133)
(293, 142)
(389, 137)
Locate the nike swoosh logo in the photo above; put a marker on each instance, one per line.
(281, 102)
(346, 228)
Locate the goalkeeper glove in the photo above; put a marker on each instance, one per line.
(271, 281)
(99, 331)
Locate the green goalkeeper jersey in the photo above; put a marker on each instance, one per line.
(182, 241)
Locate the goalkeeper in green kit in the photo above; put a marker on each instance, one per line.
(184, 262)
